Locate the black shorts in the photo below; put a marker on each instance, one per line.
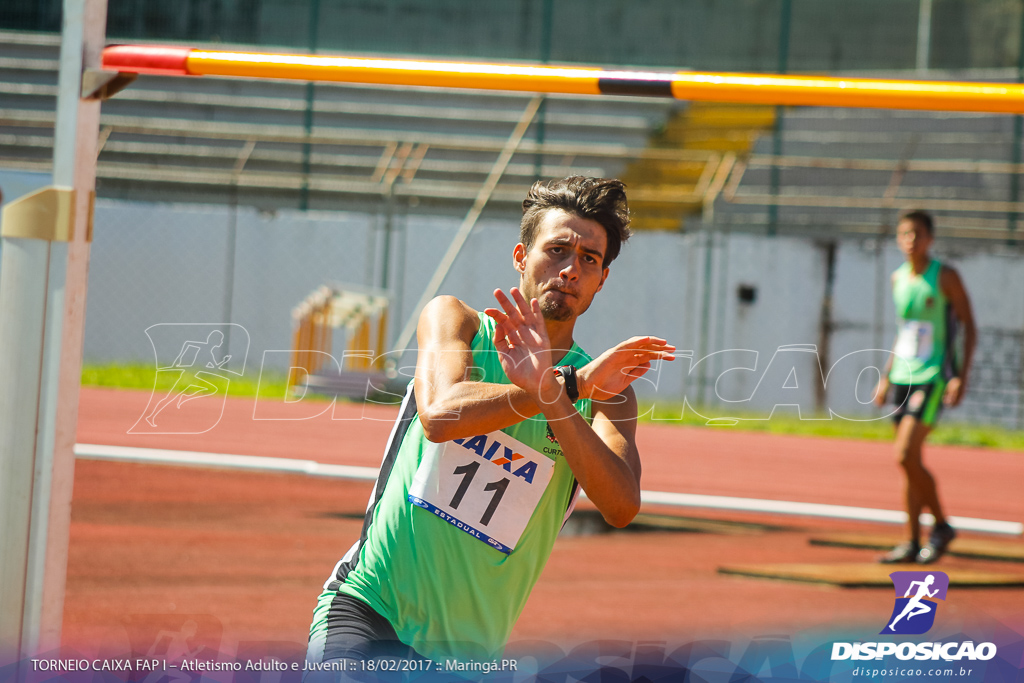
(356, 631)
(921, 401)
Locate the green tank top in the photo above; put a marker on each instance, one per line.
(923, 325)
(457, 534)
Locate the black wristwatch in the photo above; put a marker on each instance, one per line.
(572, 389)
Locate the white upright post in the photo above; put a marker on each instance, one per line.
(43, 278)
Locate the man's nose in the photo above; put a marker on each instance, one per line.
(570, 269)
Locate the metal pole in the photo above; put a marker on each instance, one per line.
(389, 217)
(1015, 153)
(547, 25)
(1013, 217)
(924, 35)
(705, 315)
(231, 247)
(307, 148)
(881, 288)
(42, 315)
(723, 294)
(785, 20)
(1018, 134)
(398, 289)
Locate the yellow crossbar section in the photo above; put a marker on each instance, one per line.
(396, 72)
(717, 87)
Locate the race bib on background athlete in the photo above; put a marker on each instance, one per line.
(488, 486)
(915, 340)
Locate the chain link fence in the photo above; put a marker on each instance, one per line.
(996, 393)
(733, 35)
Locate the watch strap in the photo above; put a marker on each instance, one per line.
(568, 374)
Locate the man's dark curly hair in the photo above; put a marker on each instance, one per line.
(598, 199)
(922, 218)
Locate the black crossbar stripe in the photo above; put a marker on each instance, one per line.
(636, 87)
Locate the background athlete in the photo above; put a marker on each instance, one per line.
(923, 374)
(492, 446)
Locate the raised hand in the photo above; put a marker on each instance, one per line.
(610, 373)
(521, 340)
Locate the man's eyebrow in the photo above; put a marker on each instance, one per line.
(560, 241)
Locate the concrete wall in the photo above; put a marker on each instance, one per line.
(155, 263)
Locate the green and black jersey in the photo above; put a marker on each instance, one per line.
(926, 327)
(457, 533)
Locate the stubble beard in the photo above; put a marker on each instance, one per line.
(555, 311)
(552, 310)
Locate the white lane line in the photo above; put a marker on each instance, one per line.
(239, 462)
(782, 507)
(310, 467)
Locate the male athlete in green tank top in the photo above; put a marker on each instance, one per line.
(923, 373)
(506, 420)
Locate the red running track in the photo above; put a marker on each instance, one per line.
(974, 482)
(243, 554)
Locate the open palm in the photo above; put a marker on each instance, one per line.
(610, 373)
(521, 340)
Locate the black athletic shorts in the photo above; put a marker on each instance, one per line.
(356, 631)
(921, 401)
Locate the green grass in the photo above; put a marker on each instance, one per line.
(139, 376)
(273, 386)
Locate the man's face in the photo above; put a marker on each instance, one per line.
(563, 269)
(912, 238)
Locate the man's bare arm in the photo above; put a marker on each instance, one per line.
(451, 405)
(953, 287)
(603, 456)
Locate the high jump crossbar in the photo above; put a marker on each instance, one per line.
(1005, 98)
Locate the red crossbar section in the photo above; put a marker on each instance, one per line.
(147, 59)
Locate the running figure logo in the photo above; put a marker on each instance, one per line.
(192, 362)
(914, 612)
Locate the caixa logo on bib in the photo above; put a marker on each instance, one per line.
(916, 596)
(500, 454)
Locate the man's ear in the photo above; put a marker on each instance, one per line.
(519, 258)
(604, 276)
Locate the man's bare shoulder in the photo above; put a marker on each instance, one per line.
(949, 273)
(448, 314)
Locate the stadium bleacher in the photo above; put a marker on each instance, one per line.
(266, 143)
(284, 144)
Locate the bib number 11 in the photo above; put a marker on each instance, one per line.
(469, 471)
(488, 486)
